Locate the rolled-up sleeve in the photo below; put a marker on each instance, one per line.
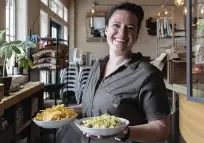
(153, 98)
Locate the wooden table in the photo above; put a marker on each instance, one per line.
(9, 108)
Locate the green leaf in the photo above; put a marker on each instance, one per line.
(21, 44)
(2, 35)
(21, 63)
(3, 50)
(7, 43)
(31, 44)
(16, 50)
(30, 63)
(19, 58)
(8, 52)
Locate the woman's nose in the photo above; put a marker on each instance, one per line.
(123, 30)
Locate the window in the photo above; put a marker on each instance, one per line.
(65, 14)
(10, 20)
(45, 2)
(65, 34)
(57, 7)
(10, 25)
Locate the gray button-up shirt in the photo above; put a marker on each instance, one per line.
(135, 91)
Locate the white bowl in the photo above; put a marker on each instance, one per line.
(101, 131)
(53, 124)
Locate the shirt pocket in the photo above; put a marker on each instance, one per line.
(118, 98)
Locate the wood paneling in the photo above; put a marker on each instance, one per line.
(191, 120)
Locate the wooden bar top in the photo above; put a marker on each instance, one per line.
(28, 89)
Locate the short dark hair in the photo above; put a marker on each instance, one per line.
(131, 7)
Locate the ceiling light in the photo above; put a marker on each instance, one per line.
(179, 2)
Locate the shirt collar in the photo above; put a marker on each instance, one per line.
(136, 58)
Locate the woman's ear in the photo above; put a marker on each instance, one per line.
(106, 28)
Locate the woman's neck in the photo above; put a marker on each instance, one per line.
(118, 59)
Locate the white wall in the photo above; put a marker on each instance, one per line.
(146, 44)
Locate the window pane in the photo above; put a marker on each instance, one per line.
(54, 32)
(60, 9)
(7, 14)
(11, 38)
(45, 2)
(7, 38)
(53, 6)
(65, 14)
(65, 34)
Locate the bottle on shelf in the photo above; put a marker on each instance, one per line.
(15, 67)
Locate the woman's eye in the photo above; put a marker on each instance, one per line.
(116, 25)
(131, 28)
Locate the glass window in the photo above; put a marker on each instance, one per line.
(65, 34)
(45, 2)
(10, 19)
(10, 25)
(53, 6)
(65, 14)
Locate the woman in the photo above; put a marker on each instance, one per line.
(122, 84)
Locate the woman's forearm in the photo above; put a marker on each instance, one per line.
(149, 132)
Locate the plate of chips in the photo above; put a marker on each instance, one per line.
(104, 125)
(55, 117)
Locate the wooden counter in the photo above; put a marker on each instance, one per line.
(28, 89)
(191, 114)
(17, 105)
(191, 119)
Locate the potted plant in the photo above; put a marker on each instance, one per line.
(15, 48)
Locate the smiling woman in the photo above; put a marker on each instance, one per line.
(123, 85)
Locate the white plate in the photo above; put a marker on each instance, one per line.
(53, 124)
(100, 131)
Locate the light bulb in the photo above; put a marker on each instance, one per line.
(202, 11)
(184, 10)
(158, 14)
(93, 10)
(166, 12)
(179, 2)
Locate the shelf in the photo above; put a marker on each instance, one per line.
(54, 39)
(24, 126)
(169, 37)
(6, 135)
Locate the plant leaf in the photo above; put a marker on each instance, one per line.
(21, 63)
(30, 63)
(3, 50)
(16, 50)
(8, 52)
(19, 58)
(2, 34)
(31, 44)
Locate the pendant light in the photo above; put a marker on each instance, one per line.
(179, 2)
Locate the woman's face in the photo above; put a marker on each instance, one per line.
(121, 31)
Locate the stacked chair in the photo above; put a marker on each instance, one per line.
(74, 78)
(69, 77)
(83, 76)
